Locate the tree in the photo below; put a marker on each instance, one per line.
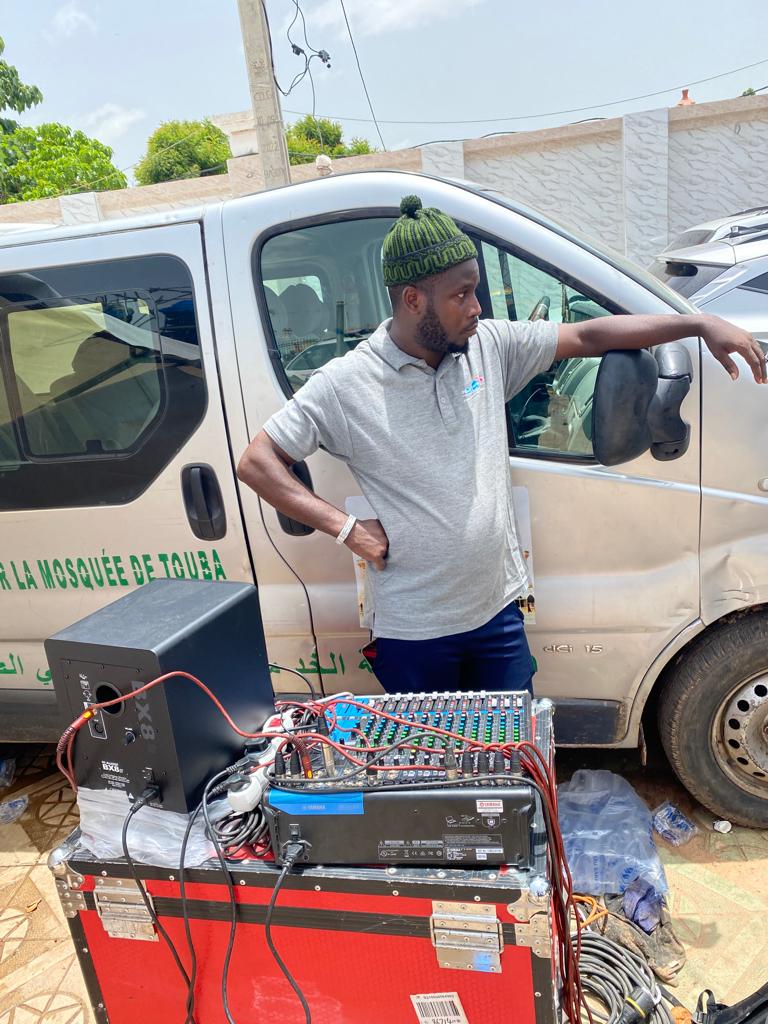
(749, 92)
(14, 95)
(52, 160)
(183, 149)
(311, 136)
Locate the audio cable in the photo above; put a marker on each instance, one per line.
(151, 793)
(292, 852)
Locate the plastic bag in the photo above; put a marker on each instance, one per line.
(607, 834)
(672, 824)
(642, 905)
(154, 836)
(7, 772)
(12, 810)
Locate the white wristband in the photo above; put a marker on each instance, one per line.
(346, 529)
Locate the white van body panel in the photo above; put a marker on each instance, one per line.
(613, 589)
(622, 582)
(152, 525)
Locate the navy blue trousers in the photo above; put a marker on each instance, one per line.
(495, 656)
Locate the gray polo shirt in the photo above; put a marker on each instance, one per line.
(429, 451)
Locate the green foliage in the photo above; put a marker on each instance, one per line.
(183, 149)
(52, 160)
(749, 92)
(311, 136)
(14, 95)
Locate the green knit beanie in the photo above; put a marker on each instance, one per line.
(421, 243)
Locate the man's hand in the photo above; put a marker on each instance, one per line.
(626, 331)
(368, 540)
(723, 339)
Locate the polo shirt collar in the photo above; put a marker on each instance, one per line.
(382, 344)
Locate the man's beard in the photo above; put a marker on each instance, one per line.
(431, 335)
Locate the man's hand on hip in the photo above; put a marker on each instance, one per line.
(368, 540)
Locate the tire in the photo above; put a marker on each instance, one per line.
(713, 720)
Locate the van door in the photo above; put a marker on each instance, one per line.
(302, 291)
(614, 551)
(114, 462)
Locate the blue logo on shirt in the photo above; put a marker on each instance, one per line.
(474, 386)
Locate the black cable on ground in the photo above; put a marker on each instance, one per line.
(149, 794)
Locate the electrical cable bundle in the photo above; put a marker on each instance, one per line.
(239, 833)
(620, 981)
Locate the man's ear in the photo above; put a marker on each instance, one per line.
(413, 299)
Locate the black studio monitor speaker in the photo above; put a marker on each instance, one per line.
(171, 735)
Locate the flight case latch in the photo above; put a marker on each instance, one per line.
(467, 936)
(122, 910)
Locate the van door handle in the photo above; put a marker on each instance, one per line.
(203, 502)
(292, 526)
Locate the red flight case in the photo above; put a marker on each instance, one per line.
(404, 945)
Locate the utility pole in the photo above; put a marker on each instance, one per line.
(264, 99)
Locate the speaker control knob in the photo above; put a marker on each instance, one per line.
(129, 736)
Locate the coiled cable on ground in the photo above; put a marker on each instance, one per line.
(620, 986)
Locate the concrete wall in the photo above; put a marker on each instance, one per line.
(571, 174)
(718, 160)
(632, 182)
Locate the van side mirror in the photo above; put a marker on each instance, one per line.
(636, 404)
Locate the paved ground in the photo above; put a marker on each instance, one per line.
(718, 896)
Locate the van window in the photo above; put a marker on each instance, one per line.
(101, 380)
(83, 388)
(323, 290)
(552, 415)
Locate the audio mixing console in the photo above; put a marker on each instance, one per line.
(423, 778)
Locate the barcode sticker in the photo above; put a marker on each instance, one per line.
(439, 1008)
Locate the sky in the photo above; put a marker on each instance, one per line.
(117, 70)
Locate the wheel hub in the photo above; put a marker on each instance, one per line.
(742, 735)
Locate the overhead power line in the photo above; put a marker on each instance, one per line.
(362, 77)
(549, 113)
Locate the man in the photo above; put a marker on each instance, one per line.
(417, 413)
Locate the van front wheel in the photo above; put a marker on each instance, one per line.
(713, 719)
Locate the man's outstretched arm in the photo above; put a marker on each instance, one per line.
(723, 339)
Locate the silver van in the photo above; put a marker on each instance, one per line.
(139, 357)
